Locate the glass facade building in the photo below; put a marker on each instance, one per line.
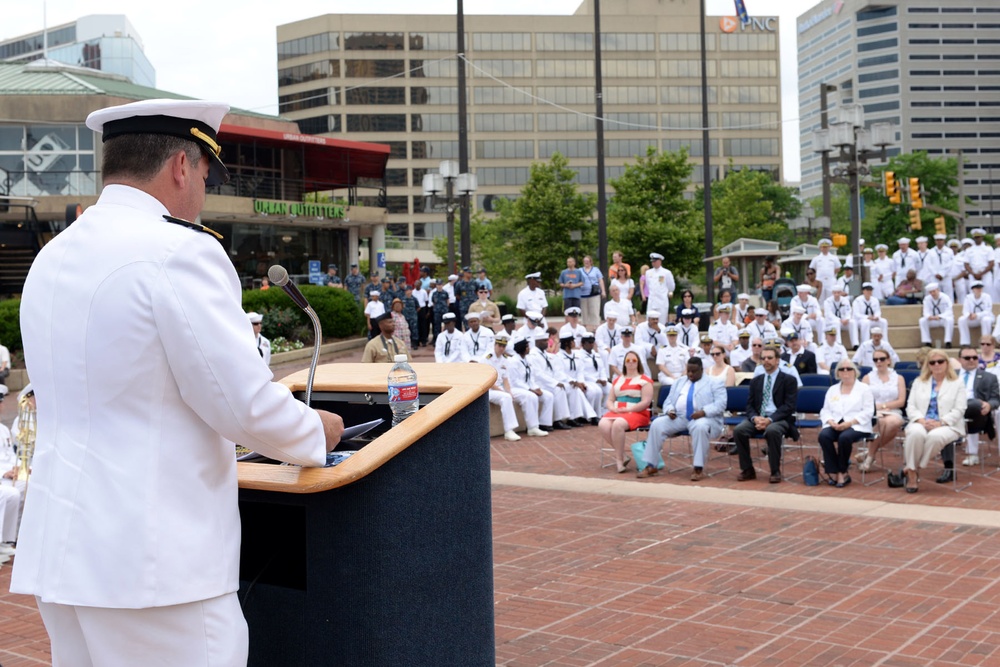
(107, 43)
(393, 79)
(933, 69)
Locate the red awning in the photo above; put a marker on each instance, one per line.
(336, 162)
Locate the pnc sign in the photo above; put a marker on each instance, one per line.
(729, 24)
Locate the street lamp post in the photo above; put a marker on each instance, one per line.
(855, 145)
(454, 190)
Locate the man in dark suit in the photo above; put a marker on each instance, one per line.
(771, 411)
(984, 398)
(799, 356)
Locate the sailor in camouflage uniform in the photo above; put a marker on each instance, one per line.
(410, 313)
(439, 301)
(465, 292)
(371, 285)
(353, 282)
(388, 292)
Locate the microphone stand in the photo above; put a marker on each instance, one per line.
(278, 275)
(317, 339)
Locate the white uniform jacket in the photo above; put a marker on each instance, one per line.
(146, 372)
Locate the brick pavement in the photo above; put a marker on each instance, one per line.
(595, 568)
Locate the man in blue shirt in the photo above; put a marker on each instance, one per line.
(483, 282)
(572, 281)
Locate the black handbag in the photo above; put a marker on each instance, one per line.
(896, 480)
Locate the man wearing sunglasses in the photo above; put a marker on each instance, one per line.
(751, 363)
(983, 393)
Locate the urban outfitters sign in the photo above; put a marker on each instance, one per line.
(306, 210)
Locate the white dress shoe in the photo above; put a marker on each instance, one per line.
(971, 461)
(6, 550)
(510, 435)
(536, 432)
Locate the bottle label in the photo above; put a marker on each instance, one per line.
(403, 392)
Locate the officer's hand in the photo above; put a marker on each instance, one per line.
(333, 428)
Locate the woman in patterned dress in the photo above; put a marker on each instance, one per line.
(628, 407)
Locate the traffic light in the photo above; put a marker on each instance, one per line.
(838, 240)
(892, 188)
(916, 201)
(915, 219)
(939, 225)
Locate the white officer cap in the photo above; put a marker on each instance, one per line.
(472, 316)
(903, 240)
(655, 255)
(572, 310)
(930, 287)
(940, 236)
(743, 334)
(954, 243)
(671, 330)
(966, 241)
(687, 312)
(537, 275)
(823, 242)
(705, 338)
(507, 318)
(447, 317)
(503, 337)
(194, 120)
(979, 231)
(725, 308)
(374, 292)
(921, 239)
(534, 316)
(742, 295)
(831, 330)
(433, 281)
(881, 246)
(452, 277)
(653, 313)
(627, 329)
(255, 318)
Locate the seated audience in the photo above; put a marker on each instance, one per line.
(628, 407)
(889, 393)
(847, 417)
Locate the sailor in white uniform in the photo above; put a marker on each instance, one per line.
(263, 344)
(660, 283)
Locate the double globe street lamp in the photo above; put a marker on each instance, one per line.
(454, 191)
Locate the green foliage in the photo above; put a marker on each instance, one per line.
(282, 344)
(339, 315)
(532, 233)
(510, 302)
(10, 324)
(649, 212)
(938, 176)
(555, 305)
(749, 204)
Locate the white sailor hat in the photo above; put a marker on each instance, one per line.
(472, 316)
(902, 240)
(881, 246)
(803, 288)
(255, 318)
(940, 236)
(875, 330)
(823, 242)
(839, 287)
(742, 295)
(610, 311)
(534, 316)
(921, 239)
(966, 241)
(930, 287)
(540, 334)
(796, 308)
(448, 317)
(759, 312)
(537, 275)
(954, 242)
(655, 255)
(973, 285)
(572, 310)
(866, 285)
(194, 120)
(587, 337)
(374, 292)
(979, 231)
(433, 281)
(452, 277)
(654, 314)
(867, 249)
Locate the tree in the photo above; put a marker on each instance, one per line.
(532, 232)
(938, 176)
(749, 204)
(649, 213)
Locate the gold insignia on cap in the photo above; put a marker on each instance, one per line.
(216, 148)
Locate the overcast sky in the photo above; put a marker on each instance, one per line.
(227, 51)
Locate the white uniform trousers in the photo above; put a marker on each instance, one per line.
(983, 322)
(207, 633)
(597, 396)
(851, 327)
(579, 407)
(560, 404)
(961, 286)
(10, 505)
(506, 403)
(946, 323)
(661, 304)
(701, 432)
(865, 325)
(919, 446)
(529, 402)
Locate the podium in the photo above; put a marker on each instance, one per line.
(385, 559)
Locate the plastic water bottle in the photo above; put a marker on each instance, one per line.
(404, 397)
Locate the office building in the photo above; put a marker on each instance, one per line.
(104, 42)
(392, 79)
(931, 68)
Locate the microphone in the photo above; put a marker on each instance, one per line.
(278, 275)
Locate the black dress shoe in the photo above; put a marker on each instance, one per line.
(570, 423)
(545, 428)
(948, 475)
(560, 426)
(746, 475)
(594, 421)
(732, 450)
(582, 421)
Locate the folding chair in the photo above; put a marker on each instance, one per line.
(809, 401)
(816, 380)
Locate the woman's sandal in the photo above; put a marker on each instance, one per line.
(911, 474)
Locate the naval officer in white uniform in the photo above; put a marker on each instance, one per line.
(146, 372)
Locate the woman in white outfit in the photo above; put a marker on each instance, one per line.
(889, 391)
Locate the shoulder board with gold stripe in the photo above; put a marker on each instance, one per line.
(193, 225)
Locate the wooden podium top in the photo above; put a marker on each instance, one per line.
(458, 385)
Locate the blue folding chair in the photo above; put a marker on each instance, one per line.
(816, 380)
(908, 375)
(906, 365)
